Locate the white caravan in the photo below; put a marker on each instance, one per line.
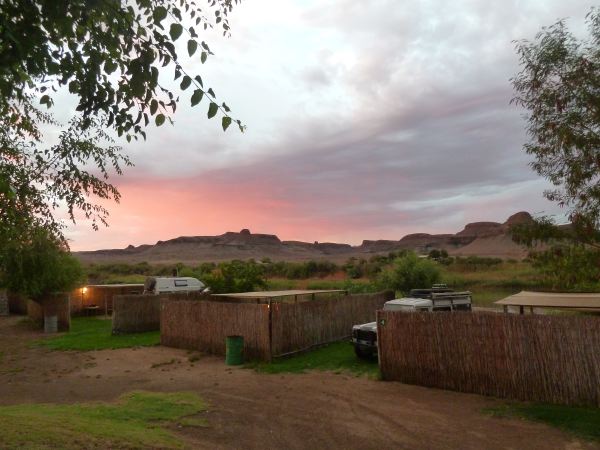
(166, 285)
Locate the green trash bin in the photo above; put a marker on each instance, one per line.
(234, 350)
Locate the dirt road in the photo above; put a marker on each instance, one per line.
(251, 411)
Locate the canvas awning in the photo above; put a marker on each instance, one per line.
(553, 300)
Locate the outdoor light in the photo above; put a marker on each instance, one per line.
(83, 290)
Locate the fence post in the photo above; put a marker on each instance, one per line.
(270, 331)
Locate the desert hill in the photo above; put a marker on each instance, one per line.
(478, 238)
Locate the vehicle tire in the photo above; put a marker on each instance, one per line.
(363, 353)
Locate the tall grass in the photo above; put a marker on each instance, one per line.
(493, 283)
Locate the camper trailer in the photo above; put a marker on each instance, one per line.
(166, 285)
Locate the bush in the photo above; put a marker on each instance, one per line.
(39, 266)
(409, 272)
(298, 270)
(571, 267)
(475, 263)
(236, 276)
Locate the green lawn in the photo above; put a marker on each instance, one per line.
(338, 357)
(137, 420)
(582, 422)
(91, 333)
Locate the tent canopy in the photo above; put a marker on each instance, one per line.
(553, 300)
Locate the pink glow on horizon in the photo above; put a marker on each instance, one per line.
(152, 210)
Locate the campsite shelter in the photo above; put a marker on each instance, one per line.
(98, 298)
(553, 300)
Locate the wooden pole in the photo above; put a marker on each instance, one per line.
(270, 331)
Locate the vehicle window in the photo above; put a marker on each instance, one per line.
(180, 283)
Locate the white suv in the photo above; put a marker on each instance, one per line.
(364, 336)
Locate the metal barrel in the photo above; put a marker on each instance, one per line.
(50, 324)
(234, 350)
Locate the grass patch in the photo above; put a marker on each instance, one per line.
(338, 357)
(490, 284)
(281, 284)
(91, 333)
(580, 421)
(137, 420)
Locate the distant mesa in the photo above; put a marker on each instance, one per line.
(477, 238)
(519, 218)
(481, 229)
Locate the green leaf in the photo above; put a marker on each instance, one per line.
(175, 31)
(153, 106)
(45, 100)
(198, 78)
(203, 57)
(160, 119)
(212, 110)
(160, 13)
(185, 83)
(226, 121)
(110, 66)
(211, 92)
(197, 97)
(137, 86)
(192, 45)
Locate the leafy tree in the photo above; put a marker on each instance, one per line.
(409, 272)
(112, 56)
(434, 254)
(559, 87)
(568, 267)
(565, 257)
(40, 267)
(236, 276)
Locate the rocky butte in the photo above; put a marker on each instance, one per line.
(490, 239)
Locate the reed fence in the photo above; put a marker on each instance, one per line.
(299, 326)
(269, 330)
(204, 325)
(135, 313)
(58, 305)
(552, 359)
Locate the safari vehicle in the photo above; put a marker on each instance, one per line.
(438, 298)
(165, 285)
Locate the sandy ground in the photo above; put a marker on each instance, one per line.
(251, 411)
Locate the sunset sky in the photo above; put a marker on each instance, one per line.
(366, 120)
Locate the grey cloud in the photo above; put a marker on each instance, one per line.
(427, 131)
